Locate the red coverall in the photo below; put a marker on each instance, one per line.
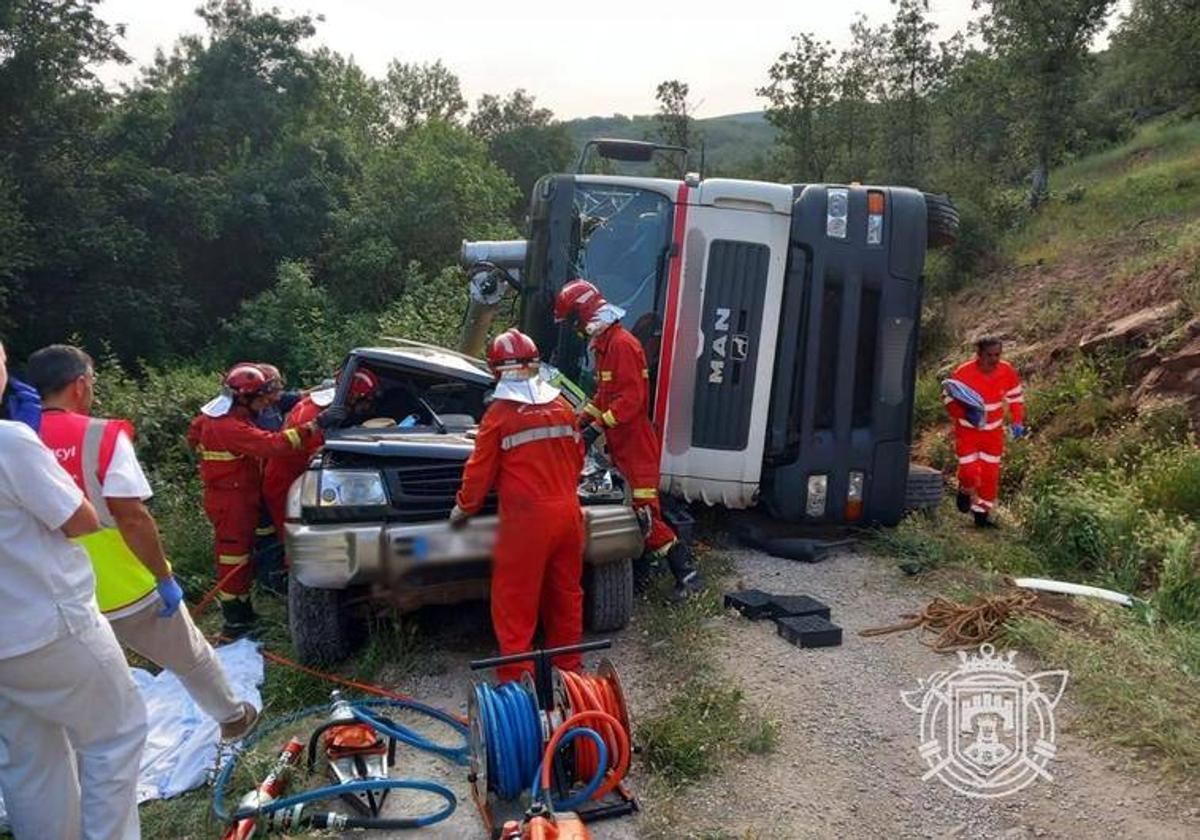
(979, 450)
(532, 455)
(281, 471)
(229, 448)
(621, 403)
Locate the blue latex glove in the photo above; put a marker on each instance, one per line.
(974, 415)
(24, 404)
(171, 594)
(1018, 431)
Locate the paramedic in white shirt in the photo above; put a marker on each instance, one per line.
(135, 587)
(72, 723)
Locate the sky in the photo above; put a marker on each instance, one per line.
(575, 58)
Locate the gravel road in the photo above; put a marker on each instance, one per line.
(847, 765)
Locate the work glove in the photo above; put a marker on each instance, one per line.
(590, 433)
(974, 415)
(171, 594)
(458, 517)
(1018, 431)
(24, 404)
(332, 416)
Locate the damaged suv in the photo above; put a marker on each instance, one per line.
(367, 522)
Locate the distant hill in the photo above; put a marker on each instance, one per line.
(731, 142)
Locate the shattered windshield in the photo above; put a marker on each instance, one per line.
(624, 233)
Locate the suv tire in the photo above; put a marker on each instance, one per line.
(608, 596)
(941, 221)
(925, 488)
(324, 629)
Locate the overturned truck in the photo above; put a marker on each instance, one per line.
(780, 324)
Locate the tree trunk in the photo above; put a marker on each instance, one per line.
(1039, 182)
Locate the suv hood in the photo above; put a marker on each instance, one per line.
(450, 446)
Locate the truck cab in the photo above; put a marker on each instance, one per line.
(780, 324)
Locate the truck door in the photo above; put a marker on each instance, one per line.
(721, 318)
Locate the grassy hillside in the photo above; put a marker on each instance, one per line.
(731, 142)
(1098, 300)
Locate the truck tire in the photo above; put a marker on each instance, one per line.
(324, 629)
(941, 221)
(925, 488)
(608, 596)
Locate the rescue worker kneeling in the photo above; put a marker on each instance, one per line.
(231, 448)
(528, 449)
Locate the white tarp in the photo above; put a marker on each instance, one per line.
(181, 747)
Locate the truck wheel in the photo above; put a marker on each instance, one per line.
(941, 221)
(608, 595)
(925, 488)
(324, 629)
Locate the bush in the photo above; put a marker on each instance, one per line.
(928, 409)
(1178, 596)
(1169, 480)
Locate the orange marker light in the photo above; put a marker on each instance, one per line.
(874, 202)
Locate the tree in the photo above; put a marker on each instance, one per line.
(802, 86)
(523, 140)
(914, 70)
(1157, 46)
(1044, 47)
(421, 93)
(860, 87)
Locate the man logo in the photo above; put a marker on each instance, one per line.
(726, 347)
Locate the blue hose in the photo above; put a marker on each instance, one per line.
(572, 803)
(514, 738)
(456, 754)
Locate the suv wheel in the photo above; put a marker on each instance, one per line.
(608, 595)
(324, 629)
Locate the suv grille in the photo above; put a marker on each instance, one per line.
(424, 490)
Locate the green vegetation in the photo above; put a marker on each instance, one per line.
(701, 722)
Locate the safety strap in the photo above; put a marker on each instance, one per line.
(538, 433)
(92, 439)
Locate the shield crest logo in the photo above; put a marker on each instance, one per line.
(987, 729)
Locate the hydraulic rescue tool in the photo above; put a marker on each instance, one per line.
(550, 752)
(357, 747)
(272, 788)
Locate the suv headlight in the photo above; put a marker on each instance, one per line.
(350, 488)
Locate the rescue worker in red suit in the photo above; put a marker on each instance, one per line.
(620, 410)
(282, 471)
(230, 448)
(527, 449)
(979, 429)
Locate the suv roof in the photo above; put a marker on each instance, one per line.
(428, 359)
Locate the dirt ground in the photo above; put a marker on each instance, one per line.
(847, 765)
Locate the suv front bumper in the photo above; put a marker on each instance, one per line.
(414, 555)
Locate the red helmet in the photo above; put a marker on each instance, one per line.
(363, 384)
(274, 377)
(580, 300)
(246, 380)
(510, 350)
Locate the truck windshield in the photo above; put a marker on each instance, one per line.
(624, 234)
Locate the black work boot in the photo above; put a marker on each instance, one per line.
(982, 520)
(239, 616)
(963, 501)
(644, 570)
(687, 576)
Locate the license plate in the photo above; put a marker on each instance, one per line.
(451, 545)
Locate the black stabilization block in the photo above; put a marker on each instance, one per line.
(752, 603)
(808, 631)
(788, 605)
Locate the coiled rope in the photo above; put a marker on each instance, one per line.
(966, 626)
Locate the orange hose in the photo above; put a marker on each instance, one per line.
(591, 693)
(618, 760)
